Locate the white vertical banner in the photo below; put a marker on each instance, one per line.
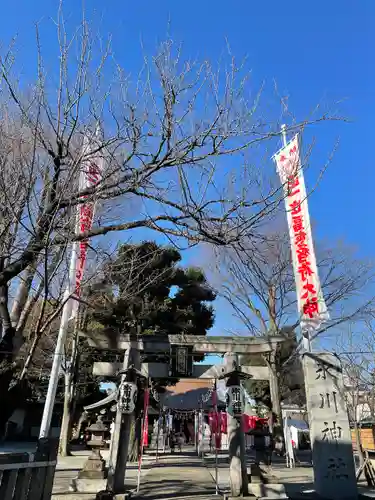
(311, 305)
(90, 175)
(91, 172)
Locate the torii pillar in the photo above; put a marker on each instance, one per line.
(121, 434)
(277, 428)
(236, 437)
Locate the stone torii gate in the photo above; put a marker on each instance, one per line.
(154, 345)
(180, 350)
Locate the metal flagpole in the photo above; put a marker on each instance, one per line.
(59, 351)
(216, 438)
(306, 341)
(157, 437)
(283, 133)
(196, 430)
(166, 422)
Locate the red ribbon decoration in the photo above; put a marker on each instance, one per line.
(145, 417)
(215, 421)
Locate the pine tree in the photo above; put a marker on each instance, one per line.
(145, 291)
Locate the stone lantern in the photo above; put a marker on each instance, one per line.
(94, 467)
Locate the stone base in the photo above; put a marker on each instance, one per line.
(270, 491)
(107, 495)
(94, 468)
(85, 485)
(92, 474)
(259, 475)
(104, 495)
(227, 496)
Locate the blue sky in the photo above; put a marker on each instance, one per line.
(318, 51)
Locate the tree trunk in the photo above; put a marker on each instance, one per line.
(8, 405)
(357, 431)
(81, 419)
(12, 396)
(358, 443)
(66, 423)
(67, 419)
(7, 369)
(135, 440)
(30, 355)
(22, 293)
(277, 430)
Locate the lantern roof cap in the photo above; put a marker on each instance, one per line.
(98, 426)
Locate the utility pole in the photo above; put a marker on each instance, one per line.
(196, 420)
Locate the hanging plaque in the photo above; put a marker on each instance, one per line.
(235, 400)
(181, 361)
(127, 397)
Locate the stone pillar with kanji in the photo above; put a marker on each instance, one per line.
(332, 453)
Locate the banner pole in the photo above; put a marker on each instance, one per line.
(165, 436)
(283, 134)
(306, 342)
(45, 425)
(157, 437)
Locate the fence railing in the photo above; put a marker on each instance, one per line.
(29, 476)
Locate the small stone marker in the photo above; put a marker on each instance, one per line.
(333, 463)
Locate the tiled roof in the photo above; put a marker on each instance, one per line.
(190, 385)
(187, 394)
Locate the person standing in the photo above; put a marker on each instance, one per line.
(261, 447)
(172, 441)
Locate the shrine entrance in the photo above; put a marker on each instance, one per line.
(154, 359)
(165, 357)
(160, 358)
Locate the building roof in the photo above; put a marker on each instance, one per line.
(188, 395)
(190, 385)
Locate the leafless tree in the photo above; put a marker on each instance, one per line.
(36, 330)
(102, 278)
(355, 347)
(176, 142)
(258, 281)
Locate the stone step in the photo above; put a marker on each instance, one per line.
(85, 485)
(269, 491)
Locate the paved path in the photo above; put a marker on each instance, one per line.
(295, 480)
(68, 468)
(181, 475)
(298, 482)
